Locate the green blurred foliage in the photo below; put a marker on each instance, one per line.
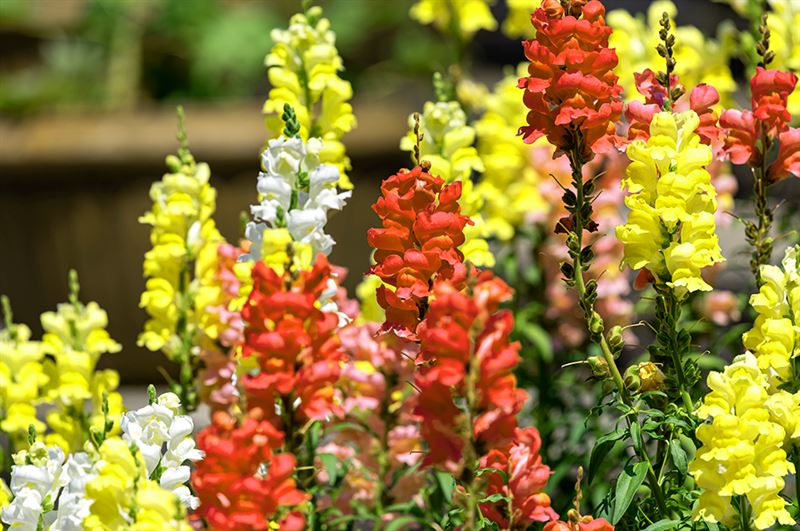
(117, 54)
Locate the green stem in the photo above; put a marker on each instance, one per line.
(758, 234)
(592, 317)
(672, 308)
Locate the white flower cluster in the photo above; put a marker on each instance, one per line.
(165, 440)
(296, 192)
(48, 492)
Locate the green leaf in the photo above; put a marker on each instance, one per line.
(539, 339)
(494, 498)
(636, 436)
(602, 447)
(331, 465)
(482, 471)
(400, 523)
(662, 525)
(447, 483)
(679, 458)
(627, 484)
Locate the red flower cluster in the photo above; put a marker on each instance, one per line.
(294, 342)
(465, 351)
(527, 477)
(242, 484)
(422, 230)
(701, 100)
(572, 91)
(768, 120)
(584, 523)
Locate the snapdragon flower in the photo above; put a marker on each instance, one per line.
(448, 144)
(164, 438)
(303, 69)
(76, 338)
(296, 193)
(22, 378)
(671, 227)
(742, 450)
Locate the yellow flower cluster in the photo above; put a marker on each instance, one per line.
(122, 496)
(742, 452)
(775, 336)
(464, 17)
(185, 240)
(509, 185)
(448, 144)
(304, 67)
(671, 228)
(518, 19)
(783, 21)
(22, 378)
(75, 338)
(699, 60)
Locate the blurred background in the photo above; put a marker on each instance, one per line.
(88, 90)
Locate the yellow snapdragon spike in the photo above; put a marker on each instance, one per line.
(158, 508)
(75, 338)
(448, 144)
(775, 336)
(742, 450)
(783, 21)
(5, 494)
(671, 229)
(112, 490)
(509, 185)
(464, 16)
(699, 60)
(184, 242)
(303, 69)
(22, 379)
(366, 291)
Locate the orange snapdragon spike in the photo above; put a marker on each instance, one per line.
(235, 493)
(571, 83)
(295, 344)
(418, 242)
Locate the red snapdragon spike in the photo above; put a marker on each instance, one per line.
(571, 83)
(294, 343)
(463, 333)
(418, 242)
(770, 90)
(242, 483)
(769, 116)
(526, 479)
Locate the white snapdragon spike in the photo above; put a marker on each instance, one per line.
(165, 440)
(296, 192)
(37, 483)
(327, 303)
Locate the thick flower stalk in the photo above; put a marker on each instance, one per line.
(22, 379)
(244, 482)
(303, 69)
(466, 355)
(742, 452)
(418, 243)
(185, 240)
(447, 143)
(75, 338)
(699, 59)
(296, 192)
